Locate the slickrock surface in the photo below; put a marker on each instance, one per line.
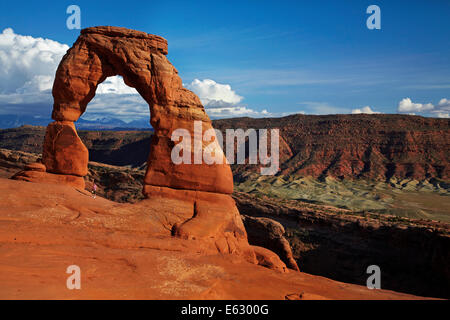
(126, 251)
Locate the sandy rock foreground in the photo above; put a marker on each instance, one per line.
(125, 251)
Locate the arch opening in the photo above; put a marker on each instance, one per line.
(116, 131)
(116, 105)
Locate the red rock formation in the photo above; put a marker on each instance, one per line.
(64, 152)
(140, 59)
(45, 177)
(36, 172)
(269, 259)
(214, 219)
(269, 234)
(377, 146)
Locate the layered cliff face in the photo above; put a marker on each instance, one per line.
(376, 147)
(382, 185)
(342, 146)
(412, 254)
(120, 148)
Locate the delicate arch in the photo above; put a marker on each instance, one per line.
(140, 58)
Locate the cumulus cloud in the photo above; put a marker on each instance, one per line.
(28, 67)
(115, 85)
(221, 101)
(126, 107)
(407, 106)
(27, 71)
(27, 64)
(115, 99)
(365, 109)
(440, 110)
(231, 112)
(239, 111)
(213, 94)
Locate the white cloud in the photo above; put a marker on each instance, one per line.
(213, 94)
(123, 106)
(440, 110)
(321, 108)
(365, 109)
(115, 85)
(27, 70)
(407, 106)
(445, 103)
(442, 115)
(229, 112)
(221, 101)
(115, 99)
(27, 64)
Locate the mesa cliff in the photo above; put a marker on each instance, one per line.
(376, 146)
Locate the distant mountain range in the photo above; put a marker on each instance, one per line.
(105, 123)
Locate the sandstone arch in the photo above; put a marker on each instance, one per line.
(140, 58)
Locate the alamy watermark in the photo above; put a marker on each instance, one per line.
(374, 20)
(374, 281)
(74, 20)
(74, 280)
(251, 140)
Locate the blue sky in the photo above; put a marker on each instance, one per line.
(316, 57)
